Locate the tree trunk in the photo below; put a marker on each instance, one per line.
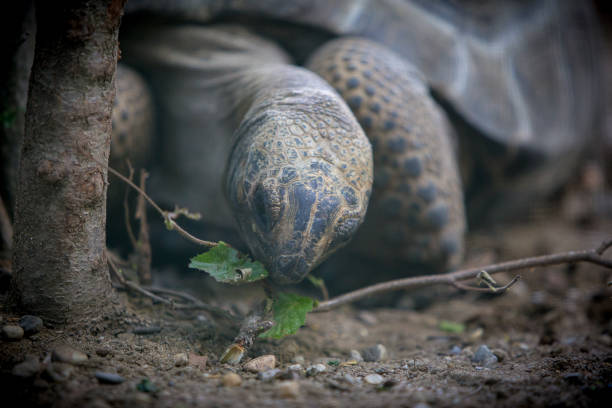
(59, 263)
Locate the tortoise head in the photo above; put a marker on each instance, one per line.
(299, 187)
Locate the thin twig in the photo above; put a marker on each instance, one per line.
(166, 215)
(143, 245)
(126, 207)
(135, 187)
(496, 290)
(590, 255)
(113, 267)
(604, 246)
(196, 303)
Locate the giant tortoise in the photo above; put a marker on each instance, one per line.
(286, 120)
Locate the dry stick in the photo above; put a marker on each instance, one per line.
(197, 304)
(143, 247)
(453, 278)
(151, 293)
(126, 207)
(167, 216)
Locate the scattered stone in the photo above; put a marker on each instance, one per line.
(573, 378)
(476, 334)
(356, 355)
(11, 332)
(27, 368)
(143, 330)
(288, 375)
(374, 379)
(58, 372)
(288, 389)
(108, 378)
(268, 375)
(484, 357)
(231, 380)
(456, 350)
(67, 354)
(298, 360)
(500, 354)
(198, 361)
(181, 360)
(374, 353)
(30, 324)
(295, 367)
(261, 363)
(350, 379)
(315, 369)
(103, 351)
(367, 318)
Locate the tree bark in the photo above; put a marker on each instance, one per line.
(59, 263)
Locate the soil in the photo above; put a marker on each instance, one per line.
(551, 333)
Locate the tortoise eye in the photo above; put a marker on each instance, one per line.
(266, 207)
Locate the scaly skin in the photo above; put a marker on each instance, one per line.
(416, 213)
(300, 174)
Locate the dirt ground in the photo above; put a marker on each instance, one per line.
(551, 334)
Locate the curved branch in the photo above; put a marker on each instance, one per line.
(453, 278)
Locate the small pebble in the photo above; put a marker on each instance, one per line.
(500, 354)
(484, 357)
(11, 332)
(261, 363)
(295, 367)
(30, 324)
(59, 372)
(231, 380)
(108, 378)
(374, 379)
(27, 368)
(315, 369)
(288, 389)
(268, 375)
(374, 353)
(356, 355)
(103, 351)
(350, 379)
(456, 350)
(367, 318)
(146, 330)
(288, 375)
(67, 354)
(181, 359)
(476, 334)
(573, 378)
(298, 360)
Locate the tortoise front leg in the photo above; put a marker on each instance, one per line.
(416, 212)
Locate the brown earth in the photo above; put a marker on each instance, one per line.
(552, 333)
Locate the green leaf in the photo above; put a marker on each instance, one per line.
(227, 265)
(289, 311)
(451, 327)
(333, 363)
